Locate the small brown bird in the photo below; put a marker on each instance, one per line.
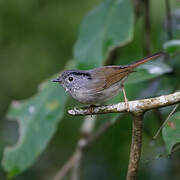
(98, 85)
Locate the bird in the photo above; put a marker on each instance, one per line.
(96, 86)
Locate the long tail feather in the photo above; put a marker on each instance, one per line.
(146, 59)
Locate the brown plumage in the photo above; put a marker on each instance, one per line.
(109, 75)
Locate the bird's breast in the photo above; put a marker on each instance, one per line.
(86, 96)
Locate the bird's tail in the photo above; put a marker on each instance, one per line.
(146, 59)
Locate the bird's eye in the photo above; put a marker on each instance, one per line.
(70, 78)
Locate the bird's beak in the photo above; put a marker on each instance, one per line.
(57, 80)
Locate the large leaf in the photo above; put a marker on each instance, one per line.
(171, 131)
(108, 25)
(37, 118)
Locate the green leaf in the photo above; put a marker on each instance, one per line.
(148, 71)
(107, 26)
(172, 46)
(37, 118)
(171, 131)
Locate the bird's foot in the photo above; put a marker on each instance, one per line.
(91, 109)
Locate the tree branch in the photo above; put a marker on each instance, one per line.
(137, 108)
(134, 106)
(135, 152)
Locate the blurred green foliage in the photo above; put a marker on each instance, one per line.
(36, 41)
(171, 131)
(38, 118)
(108, 25)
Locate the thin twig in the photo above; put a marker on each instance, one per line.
(67, 166)
(155, 136)
(77, 163)
(168, 20)
(135, 151)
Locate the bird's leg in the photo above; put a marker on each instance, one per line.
(125, 98)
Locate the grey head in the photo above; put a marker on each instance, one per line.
(73, 80)
(88, 86)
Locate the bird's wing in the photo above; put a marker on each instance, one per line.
(106, 76)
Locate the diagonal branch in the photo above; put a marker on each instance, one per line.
(134, 106)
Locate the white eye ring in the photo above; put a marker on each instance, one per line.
(70, 78)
